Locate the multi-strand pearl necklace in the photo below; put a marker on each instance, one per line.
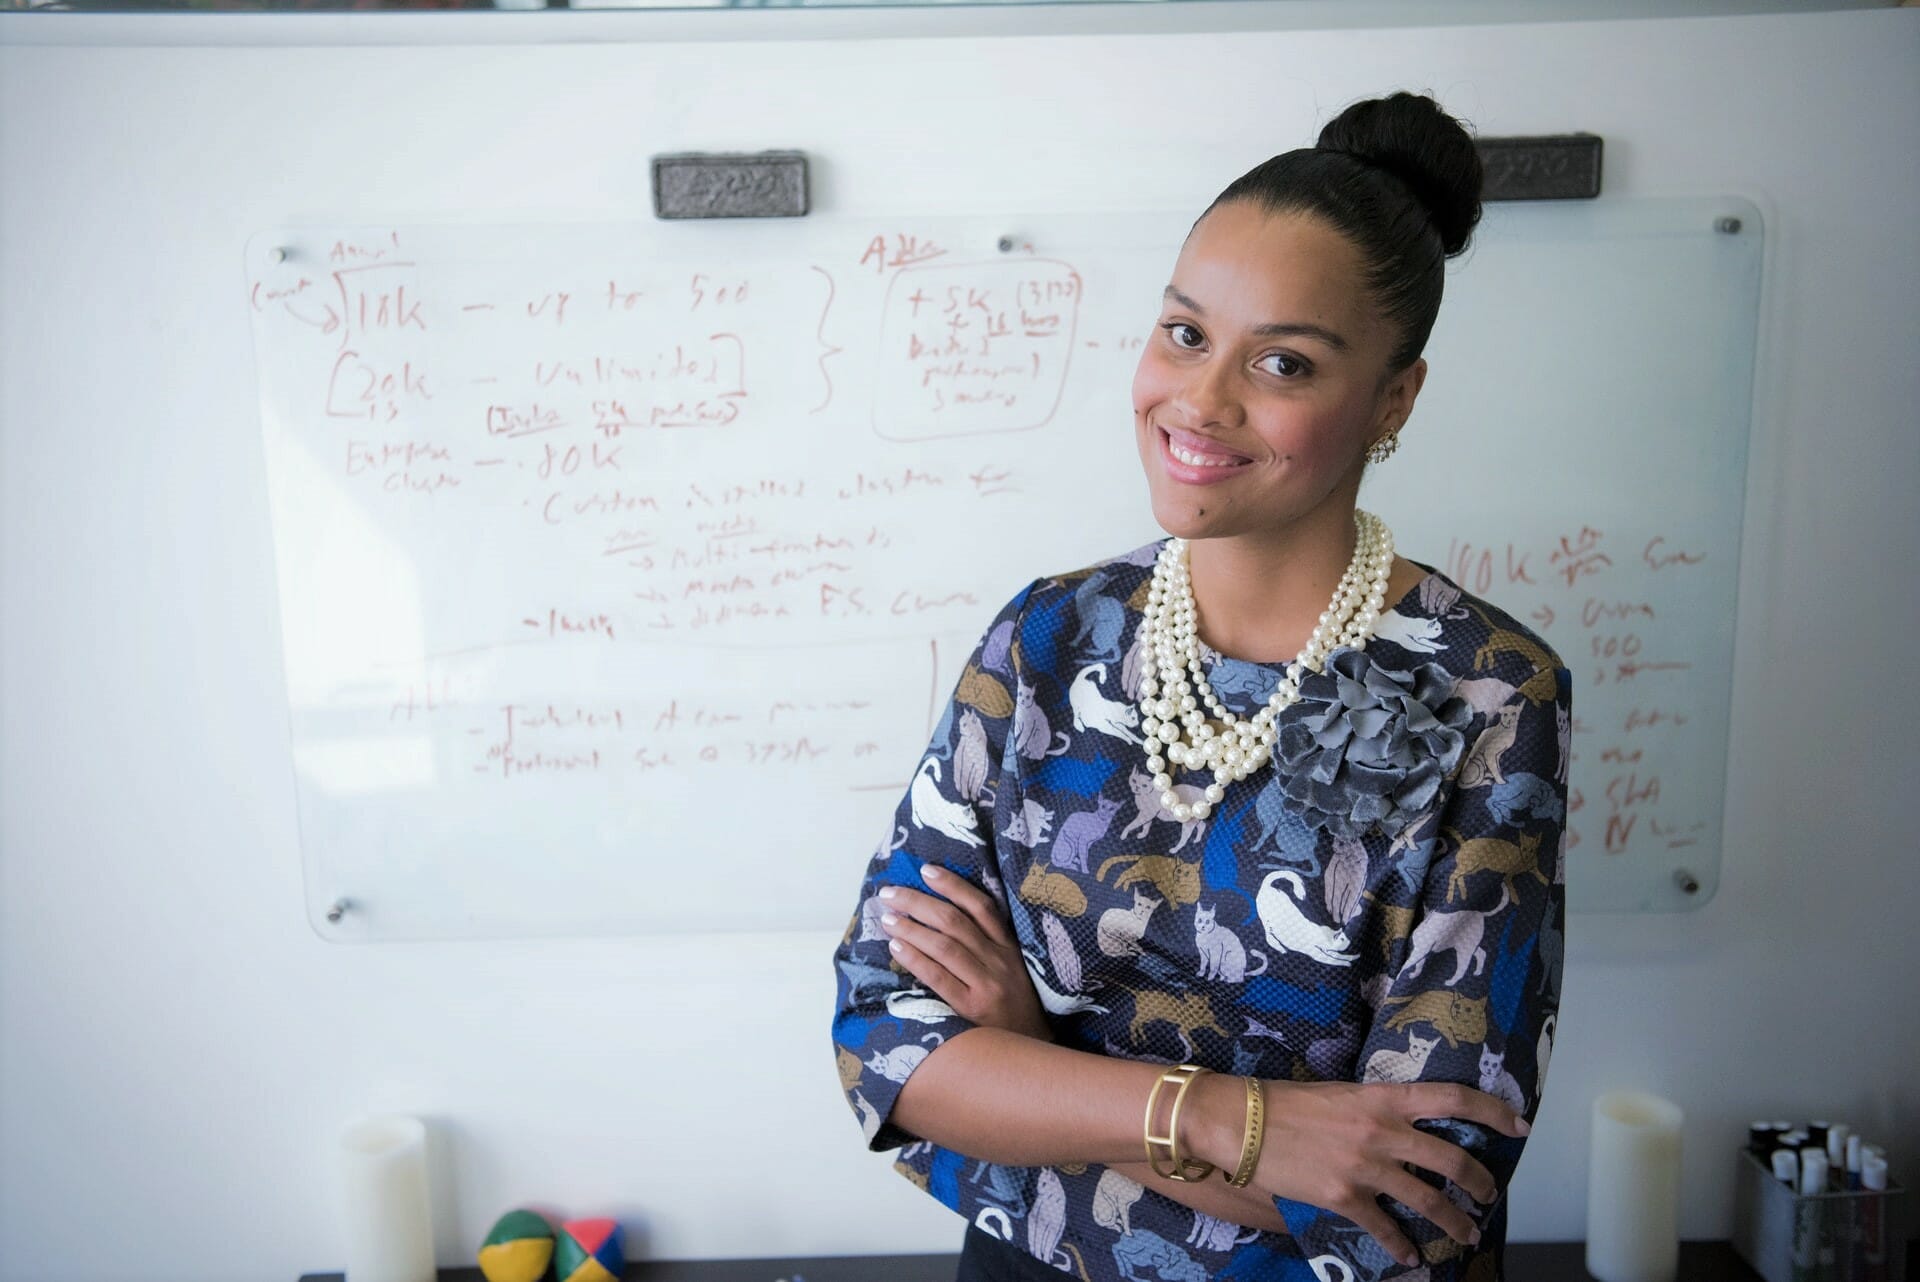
(1174, 699)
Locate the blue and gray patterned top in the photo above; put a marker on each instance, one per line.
(1385, 901)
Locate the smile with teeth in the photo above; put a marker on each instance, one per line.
(1193, 458)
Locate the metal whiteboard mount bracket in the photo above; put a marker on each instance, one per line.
(702, 184)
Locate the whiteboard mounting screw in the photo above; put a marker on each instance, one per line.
(1688, 883)
(277, 254)
(1006, 244)
(1728, 224)
(338, 910)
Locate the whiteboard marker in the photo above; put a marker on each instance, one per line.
(1786, 1167)
(1837, 1147)
(1844, 1224)
(1813, 1172)
(1873, 1228)
(1811, 1254)
(1764, 1137)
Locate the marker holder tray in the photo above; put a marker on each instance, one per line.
(1851, 1236)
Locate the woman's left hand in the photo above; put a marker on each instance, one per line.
(963, 949)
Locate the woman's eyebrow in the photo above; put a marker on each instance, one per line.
(1273, 329)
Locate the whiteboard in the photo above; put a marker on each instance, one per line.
(624, 568)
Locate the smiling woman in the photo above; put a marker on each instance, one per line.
(1222, 801)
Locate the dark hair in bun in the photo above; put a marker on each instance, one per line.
(1398, 177)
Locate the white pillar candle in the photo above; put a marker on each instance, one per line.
(389, 1221)
(1633, 1189)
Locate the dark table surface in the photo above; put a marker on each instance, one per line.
(1526, 1262)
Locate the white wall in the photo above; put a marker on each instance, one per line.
(177, 1049)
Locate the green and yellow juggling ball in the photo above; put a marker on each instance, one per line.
(518, 1250)
(589, 1251)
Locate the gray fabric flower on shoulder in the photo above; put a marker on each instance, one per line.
(1370, 744)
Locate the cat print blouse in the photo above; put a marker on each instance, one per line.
(1383, 902)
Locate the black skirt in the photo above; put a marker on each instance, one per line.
(985, 1258)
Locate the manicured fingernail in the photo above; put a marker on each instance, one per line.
(933, 872)
(888, 919)
(1474, 1237)
(1410, 1259)
(886, 892)
(1523, 1128)
(893, 945)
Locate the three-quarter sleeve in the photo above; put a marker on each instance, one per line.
(885, 1024)
(1478, 990)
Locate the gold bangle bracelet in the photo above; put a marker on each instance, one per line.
(1256, 1134)
(1180, 1166)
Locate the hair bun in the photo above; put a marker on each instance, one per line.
(1410, 137)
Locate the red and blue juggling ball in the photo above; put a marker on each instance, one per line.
(589, 1251)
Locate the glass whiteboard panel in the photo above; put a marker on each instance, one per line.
(624, 568)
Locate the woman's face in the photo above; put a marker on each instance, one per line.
(1258, 391)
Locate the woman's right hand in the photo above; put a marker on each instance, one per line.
(962, 947)
(1339, 1145)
